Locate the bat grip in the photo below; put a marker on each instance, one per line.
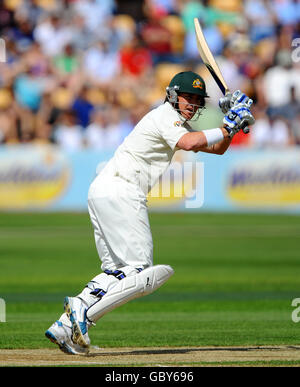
(245, 128)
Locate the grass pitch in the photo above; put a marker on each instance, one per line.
(235, 278)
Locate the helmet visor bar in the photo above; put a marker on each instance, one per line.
(185, 109)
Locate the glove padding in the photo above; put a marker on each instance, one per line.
(237, 118)
(230, 100)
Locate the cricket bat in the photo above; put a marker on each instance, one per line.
(210, 61)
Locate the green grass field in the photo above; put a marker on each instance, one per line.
(235, 278)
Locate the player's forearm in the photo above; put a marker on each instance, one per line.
(221, 147)
(192, 141)
(211, 140)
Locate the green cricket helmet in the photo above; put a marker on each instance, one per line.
(187, 82)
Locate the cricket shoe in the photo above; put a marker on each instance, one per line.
(61, 334)
(76, 311)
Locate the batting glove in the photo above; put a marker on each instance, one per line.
(239, 97)
(225, 103)
(237, 118)
(230, 100)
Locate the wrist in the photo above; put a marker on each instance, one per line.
(227, 132)
(213, 136)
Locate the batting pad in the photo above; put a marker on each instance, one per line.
(129, 288)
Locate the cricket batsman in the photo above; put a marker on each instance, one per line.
(117, 203)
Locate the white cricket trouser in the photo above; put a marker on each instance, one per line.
(119, 215)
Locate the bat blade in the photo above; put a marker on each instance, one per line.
(210, 62)
(208, 58)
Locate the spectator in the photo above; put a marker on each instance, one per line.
(68, 134)
(94, 135)
(34, 11)
(156, 37)
(278, 80)
(270, 131)
(82, 107)
(101, 65)
(291, 109)
(48, 115)
(95, 13)
(209, 17)
(123, 30)
(53, 34)
(22, 34)
(28, 89)
(67, 62)
(261, 131)
(119, 124)
(230, 68)
(135, 59)
(34, 59)
(165, 7)
(82, 38)
(6, 18)
(240, 139)
(8, 118)
(281, 135)
(104, 132)
(291, 112)
(262, 18)
(295, 129)
(286, 12)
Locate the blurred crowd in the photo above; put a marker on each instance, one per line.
(81, 73)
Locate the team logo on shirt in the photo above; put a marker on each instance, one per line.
(177, 123)
(197, 84)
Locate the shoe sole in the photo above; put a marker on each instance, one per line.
(62, 346)
(77, 336)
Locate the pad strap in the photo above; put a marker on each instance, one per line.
(98, 293)
(119, 274)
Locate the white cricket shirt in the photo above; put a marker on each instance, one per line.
(148, 150)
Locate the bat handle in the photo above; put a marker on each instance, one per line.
(245, 128)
